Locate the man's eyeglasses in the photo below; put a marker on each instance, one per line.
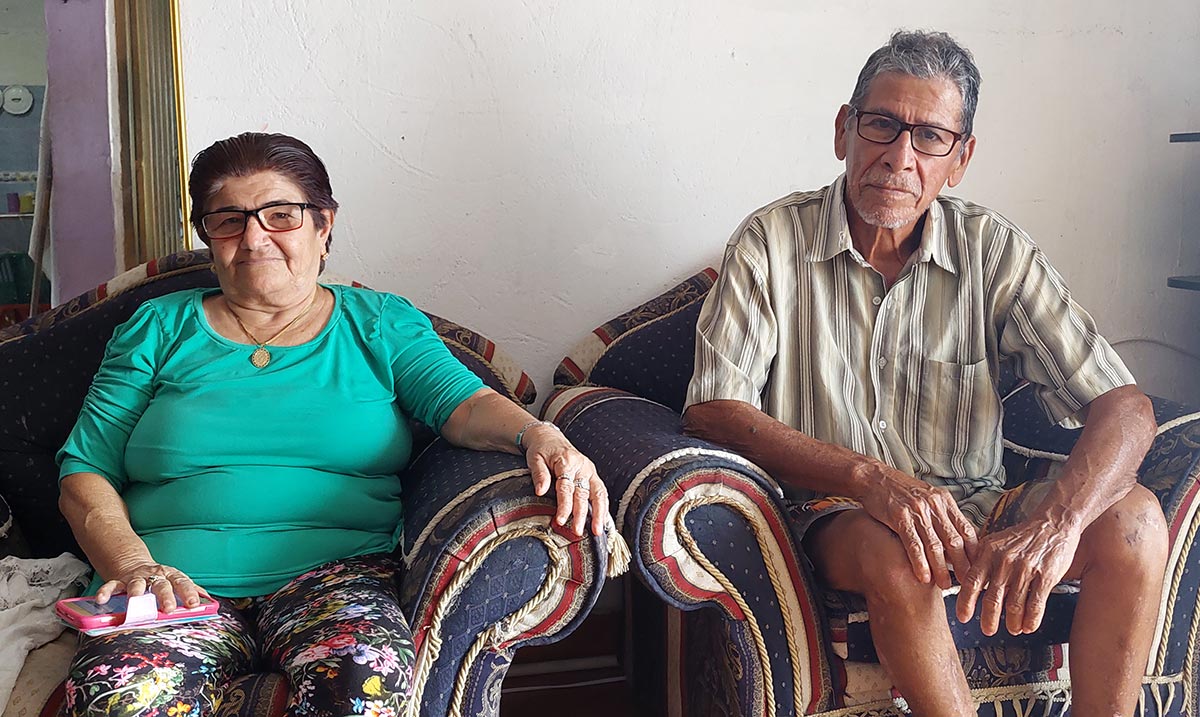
(230, 223)
(926, 138)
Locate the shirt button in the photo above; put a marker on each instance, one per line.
(881, 362)
(876, 300)
(883, 425)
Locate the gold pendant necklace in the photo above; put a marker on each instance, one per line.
(260, 357)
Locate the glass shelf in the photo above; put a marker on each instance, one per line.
(1185, 137)
(22, 215)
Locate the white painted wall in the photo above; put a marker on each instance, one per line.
(532, 169)
(22, 42)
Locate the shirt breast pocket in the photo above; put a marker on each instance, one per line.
(958, 413)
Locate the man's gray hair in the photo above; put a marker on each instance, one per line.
(925, 55)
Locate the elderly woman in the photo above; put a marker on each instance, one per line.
(244, 443)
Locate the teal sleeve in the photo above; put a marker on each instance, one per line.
(430, 382)
(119, 395)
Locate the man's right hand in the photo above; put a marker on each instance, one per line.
(932, 529)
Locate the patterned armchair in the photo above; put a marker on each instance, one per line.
(746, 630)
(485, 571)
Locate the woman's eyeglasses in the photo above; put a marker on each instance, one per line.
(230, 223)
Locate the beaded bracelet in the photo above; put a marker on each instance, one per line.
(527, 426)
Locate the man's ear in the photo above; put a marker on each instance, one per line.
(839, 132)
(964, 158)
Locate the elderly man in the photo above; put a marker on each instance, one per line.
(851, 347)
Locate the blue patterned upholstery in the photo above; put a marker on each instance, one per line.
(749, 631)
(477, 547)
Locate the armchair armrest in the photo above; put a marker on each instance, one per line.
(707, 529)
(1171, 470)
(486, 571)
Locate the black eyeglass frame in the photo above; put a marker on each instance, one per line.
(904, 126)
(247, 213)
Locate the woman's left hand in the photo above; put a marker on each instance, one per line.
(552, 459)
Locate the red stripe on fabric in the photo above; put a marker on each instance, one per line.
(439, 584)
(570, 588)
(521, 512)
(604, 336)
(710, 272)
(489, 350)
(152, 268)
(1181, 514)
(581, 396)
(443, 579)
(1056, 650)
(102, 290)
(571, 368)
(55, 701)
(438, 587)
(523, 384)
(783, 539)
(698, 594)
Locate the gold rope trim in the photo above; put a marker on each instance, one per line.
(1173, 596)
(693, 549)
(433, 640)
(504, 629)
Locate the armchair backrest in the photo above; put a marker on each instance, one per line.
(47, 364)
(649, 351)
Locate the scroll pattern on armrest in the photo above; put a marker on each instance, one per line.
(486, 572)
(708, 529)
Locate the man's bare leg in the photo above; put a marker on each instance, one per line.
(854, 552)
(1121, 559)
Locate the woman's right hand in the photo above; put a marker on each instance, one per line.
(164, 581)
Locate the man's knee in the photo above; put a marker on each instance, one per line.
(1132, 534)
(854, 552)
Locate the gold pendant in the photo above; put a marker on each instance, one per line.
(260, 358)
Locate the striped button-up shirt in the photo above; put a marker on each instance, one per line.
(802, 327)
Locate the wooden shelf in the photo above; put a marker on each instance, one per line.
(1185, 137)
(1191, 283)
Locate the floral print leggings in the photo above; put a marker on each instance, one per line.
(336, 632)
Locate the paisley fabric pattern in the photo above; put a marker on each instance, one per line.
(336, 632)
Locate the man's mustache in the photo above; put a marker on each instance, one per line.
(892, 182)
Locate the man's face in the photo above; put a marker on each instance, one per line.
(891, 185)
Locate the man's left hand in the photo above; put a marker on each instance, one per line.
(1018, 566)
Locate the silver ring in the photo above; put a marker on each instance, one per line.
(152, 580)
(569, 477)
(582, 484)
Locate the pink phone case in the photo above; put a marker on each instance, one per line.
(84, 613)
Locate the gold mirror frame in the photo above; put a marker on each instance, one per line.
(154, 154)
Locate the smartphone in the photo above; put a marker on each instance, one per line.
(85, 614)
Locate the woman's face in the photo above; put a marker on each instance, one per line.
(269, 267)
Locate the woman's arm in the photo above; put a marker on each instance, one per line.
(100, 522)
(488, 421)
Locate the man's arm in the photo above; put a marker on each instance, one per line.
(925, 518)
(1020, 565)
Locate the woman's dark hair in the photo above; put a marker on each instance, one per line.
(253, 152)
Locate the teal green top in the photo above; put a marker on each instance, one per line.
(245, 478)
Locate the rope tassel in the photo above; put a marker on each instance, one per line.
(618, 549)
